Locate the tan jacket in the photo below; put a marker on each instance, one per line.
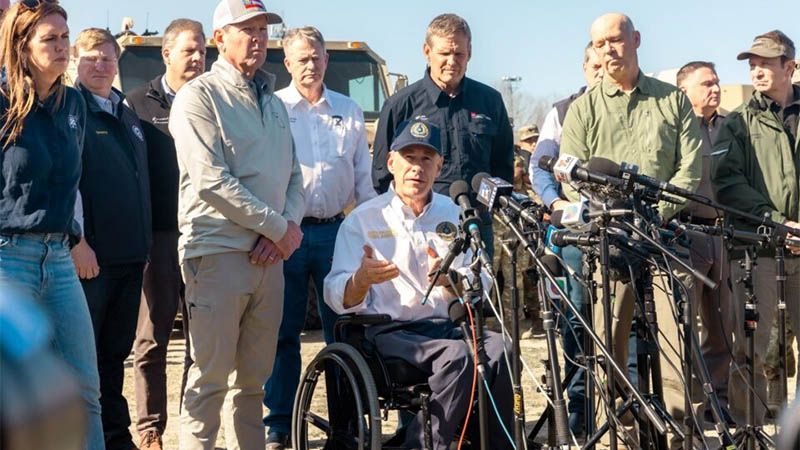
(239, 175)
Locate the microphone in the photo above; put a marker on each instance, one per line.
(633, 171)
(494, 190)
(553, 265)
(574, 216)
(564, 238)
(455, 248)
(456, 311)
(567, 169)
(470, 222)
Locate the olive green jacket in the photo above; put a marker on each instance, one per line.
(653, 127)
(757, 167)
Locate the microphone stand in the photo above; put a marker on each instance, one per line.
(516, 367)
(473, 298)
(615, 369)
(691, 348)
(750, 436)
(559, 431)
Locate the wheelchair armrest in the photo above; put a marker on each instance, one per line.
(358, 319)
(370, 319)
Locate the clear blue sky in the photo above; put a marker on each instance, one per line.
(541, 41)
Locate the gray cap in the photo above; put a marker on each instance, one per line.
(230, 12)
(767, 47)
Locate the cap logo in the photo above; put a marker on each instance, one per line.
(419, 130)
(253, 4)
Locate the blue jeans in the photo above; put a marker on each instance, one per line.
(312, 259)
(572, 330)
(39, 267)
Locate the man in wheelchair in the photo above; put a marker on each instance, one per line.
(385, 253)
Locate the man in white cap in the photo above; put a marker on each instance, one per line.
(240, 201)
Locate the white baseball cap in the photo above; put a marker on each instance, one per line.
(236, 11)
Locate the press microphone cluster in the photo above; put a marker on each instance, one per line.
(470, 221)
(494, 192)
(568, 169)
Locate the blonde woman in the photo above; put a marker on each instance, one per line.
(41, 133)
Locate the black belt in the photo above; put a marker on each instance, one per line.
(318, 221)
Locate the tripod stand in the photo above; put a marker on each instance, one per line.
(612, 365)
(750, 436)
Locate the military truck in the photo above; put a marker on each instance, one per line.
(354, 69)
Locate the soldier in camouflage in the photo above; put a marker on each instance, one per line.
(527, 290)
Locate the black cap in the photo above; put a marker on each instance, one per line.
(417, 131)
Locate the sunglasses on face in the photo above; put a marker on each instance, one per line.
(32, 4)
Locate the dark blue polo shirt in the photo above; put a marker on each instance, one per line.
(39, 173)
(476, 133)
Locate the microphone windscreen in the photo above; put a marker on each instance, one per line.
(547, 163)
(477, 179)
(456, 311)
(553, 264)
(604, 166)
(458, 188)
(555, 218)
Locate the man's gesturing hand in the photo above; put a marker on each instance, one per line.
(373, 271)
(290, 240)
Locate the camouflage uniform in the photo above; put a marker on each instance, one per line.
(502, 261)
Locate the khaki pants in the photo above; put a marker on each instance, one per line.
(235, 310)
(623, 303)
(766, 293)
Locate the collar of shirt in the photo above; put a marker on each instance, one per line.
(264, 80)
(435, 92)
(711, 122)
(404, 210)
(167, 90)
(294, 98)
(642, 85)
(109, 104)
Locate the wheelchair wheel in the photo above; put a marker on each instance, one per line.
(341, 413)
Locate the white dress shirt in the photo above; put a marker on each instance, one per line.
(397, 235)
(331, 145)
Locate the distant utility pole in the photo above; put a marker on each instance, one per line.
(509, 82)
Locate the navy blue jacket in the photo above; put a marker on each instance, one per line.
(475, 131)
(115, 188)
(152, 106)
(39, 172)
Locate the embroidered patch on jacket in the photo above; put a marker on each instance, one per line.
(138, 132)
(446, 230)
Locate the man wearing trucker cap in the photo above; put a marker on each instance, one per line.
(757, 172)
(241, 200)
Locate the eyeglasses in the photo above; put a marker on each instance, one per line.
(94, 60)
(32, 4)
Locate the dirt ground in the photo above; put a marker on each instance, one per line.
(533, 350)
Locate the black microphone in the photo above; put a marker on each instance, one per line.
(553, 264)
(456, 311)
(493, 191)
(564, 238)
(633, 171)
(567, 169)
(470, 222)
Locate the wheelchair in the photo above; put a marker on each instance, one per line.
(361, 387)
